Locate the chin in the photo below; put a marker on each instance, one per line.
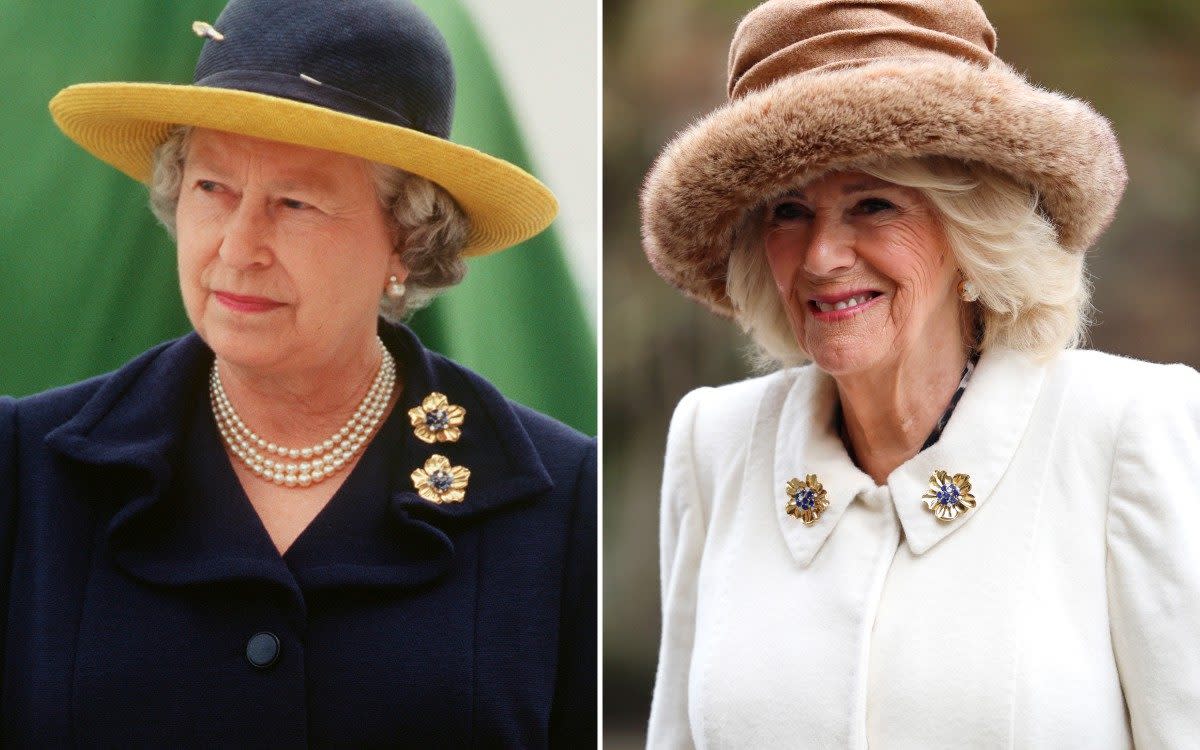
(844, 357)
(244, 347)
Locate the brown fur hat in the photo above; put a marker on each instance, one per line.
(822, 85)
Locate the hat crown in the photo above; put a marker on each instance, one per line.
(379, 59)
(788, 37)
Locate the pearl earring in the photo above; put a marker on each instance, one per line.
(967, 291)
(395, 289)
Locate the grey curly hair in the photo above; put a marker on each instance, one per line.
(431, 228)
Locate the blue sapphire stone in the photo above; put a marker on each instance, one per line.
(948, 494)
(441, 480)
(437, 420)
(804, 500)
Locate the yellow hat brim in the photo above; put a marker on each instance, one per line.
(122, 124)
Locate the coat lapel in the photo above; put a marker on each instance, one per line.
(126, 437)
(807, 443)
(131, 437)
(506, 471)
(505, 465)
(201, 529)
(980, 440)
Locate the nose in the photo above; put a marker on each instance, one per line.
(830, 248)
(246, 242)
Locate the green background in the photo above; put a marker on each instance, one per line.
(87, 277)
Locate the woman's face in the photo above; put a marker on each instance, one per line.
(863, 270)
(283, 251)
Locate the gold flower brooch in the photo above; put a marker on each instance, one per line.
(948, 496)
(806, 500)
(437, 420)
(440, 482)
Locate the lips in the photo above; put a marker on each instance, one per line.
(246, 303)
(842, 300)
(841, 304)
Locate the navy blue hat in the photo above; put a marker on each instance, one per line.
(369, 78)
(379, 59)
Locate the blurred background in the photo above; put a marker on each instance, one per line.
(87, 278)
(1137, 61)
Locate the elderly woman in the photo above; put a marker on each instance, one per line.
(950, 529)
(296, 526)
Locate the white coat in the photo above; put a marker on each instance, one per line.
(1061, 612)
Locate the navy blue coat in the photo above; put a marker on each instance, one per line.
(132, 582)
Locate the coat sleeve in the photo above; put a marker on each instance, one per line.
(681, 543)
(8, 513)
(574, 711)
(1154, 560)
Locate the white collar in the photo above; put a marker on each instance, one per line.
(980, 440)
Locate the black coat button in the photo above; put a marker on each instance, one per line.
(262, 650)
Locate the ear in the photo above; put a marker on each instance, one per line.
(397, 268)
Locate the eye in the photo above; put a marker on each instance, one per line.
(873, 205)
(789, 210)
(208, 186)
(294, 204)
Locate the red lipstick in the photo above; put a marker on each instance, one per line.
(246, 304)
(822, 307)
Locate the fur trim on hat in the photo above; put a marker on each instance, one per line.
(758, 146)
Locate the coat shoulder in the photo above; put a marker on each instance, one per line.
(723, 417)
(550, 435)
(44, 411)
(1097, 392)
(568, 455)
(1109, 383)
(565, 452)
(1114, 370)
(40, 413)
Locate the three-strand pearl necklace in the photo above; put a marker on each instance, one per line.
(302, 467)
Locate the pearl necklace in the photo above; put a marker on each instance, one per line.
(302, 467)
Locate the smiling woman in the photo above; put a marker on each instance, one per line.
(849, 314)
(989, 233)
(884, 199)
